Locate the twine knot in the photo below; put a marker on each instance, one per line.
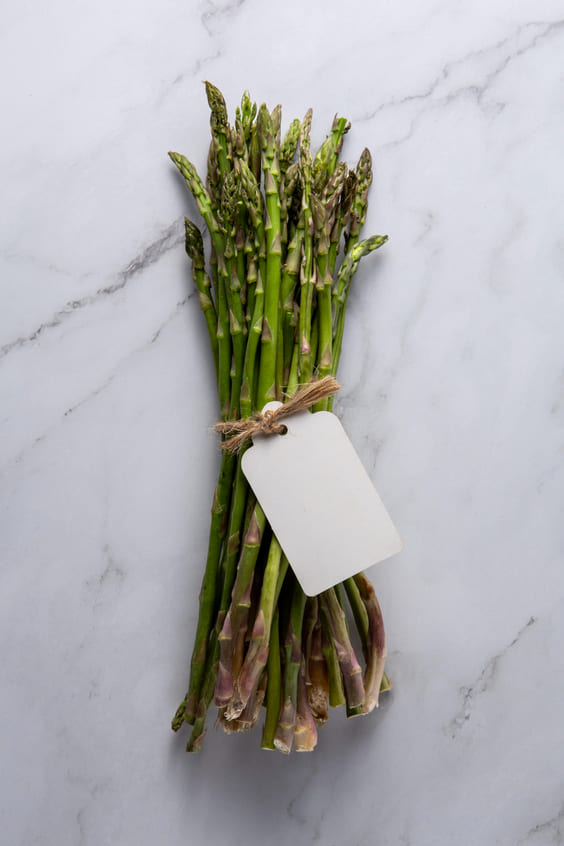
(268, 422)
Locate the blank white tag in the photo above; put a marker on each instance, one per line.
(319, 500)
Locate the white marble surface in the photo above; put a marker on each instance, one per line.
(454, 397)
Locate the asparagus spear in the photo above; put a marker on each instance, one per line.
(342, 217)
(307, 274)
(204, 203)
(284, 735)
(273, 695)
(318, 687)
(350, 668)
(237, 322)
(257, 654)
(336, 689)
(327, 156)
(195, 249)
(208, 595)
(235, 620)
(267, 389)
(376, 649)
(219, 127)
(254, 203)
(289, 146)
(305, 733)
(245, 116)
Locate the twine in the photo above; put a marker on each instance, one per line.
(268, 422)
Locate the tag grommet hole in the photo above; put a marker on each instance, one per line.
(284, 430)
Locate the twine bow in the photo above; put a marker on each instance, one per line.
(268, 422)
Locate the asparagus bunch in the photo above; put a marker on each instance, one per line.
(285, 229)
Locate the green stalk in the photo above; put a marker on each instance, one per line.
(246, 115)
(213, 178)
(360, 201)
(257, 653)
(350, 668)
(208, 687)
(235, 619)
(289, 184)
(240, 256)
(251, 712)
(339, 129)
(254, 203)
(251, 352)
(314, 339)
(342, 217)
(238, 143)
(305, 732)
(237, 322)
(224, 342)
(307, 280)
(212, 667)
(336, 689)
(325, 365)
(195, 249)
(290, 277)
(280, 376)
(310, 620)
(267, 388)
(252, 276)
(359, 613)
(255, 152)
(357, 709)
(208, 593)
(354, 249)
(273, 690)
(219, 127)
(289, 146)
(348, 269)
(327, 156)
(376, 659)
(352, 711)
(284, 735)
(293, 378)
(281, 576)
(318, 674)
(324, 305)
(307, 276)
(239, 499)
(204, 203)
(346, 273)
(361, 619)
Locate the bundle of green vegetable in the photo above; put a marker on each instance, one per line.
(274, 301)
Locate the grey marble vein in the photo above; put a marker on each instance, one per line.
(470, 693)
(552, 828)
(546, 30)
(107, 382)
(169, 238)
(476, 90)
(186, 75)
(215, 12)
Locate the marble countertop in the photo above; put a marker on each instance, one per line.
(453, 395)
